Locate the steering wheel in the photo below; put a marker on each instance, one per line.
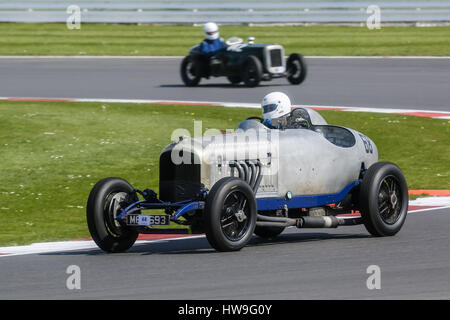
(256, 118)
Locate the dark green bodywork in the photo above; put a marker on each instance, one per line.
(231, 61)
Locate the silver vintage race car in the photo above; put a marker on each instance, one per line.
(256, 180)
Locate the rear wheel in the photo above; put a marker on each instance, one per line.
(190, 71)
(252, 71)
(105, 201)
(383, 199)
(296, 68)
(230, 214)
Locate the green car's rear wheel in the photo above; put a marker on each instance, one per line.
(190, 71)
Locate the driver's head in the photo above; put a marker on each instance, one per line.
(275, 105)
(211, 31)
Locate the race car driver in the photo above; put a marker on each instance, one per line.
(275, 106)
(212, 42)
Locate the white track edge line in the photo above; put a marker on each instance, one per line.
(66, 246)
(428, 209)
(89, 244)
(231, 104)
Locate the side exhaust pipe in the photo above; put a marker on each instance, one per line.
(306, 222)
(249, 171)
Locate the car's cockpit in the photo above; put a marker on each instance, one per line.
(299, 118)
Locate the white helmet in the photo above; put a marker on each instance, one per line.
(275, 105)
(211, 31)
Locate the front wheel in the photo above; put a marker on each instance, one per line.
(230, 214)
(296, 68)
(105, 201)
(383, 199)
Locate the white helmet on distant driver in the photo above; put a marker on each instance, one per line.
(211, 31)
(275, 105)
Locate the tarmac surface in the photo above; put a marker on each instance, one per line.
(299, 264)
(407, 83)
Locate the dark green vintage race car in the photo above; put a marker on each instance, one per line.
(246, 62)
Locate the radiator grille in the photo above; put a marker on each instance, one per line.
(178, 182)
(275, 58)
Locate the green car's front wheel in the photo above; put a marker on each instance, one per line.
(296, 68)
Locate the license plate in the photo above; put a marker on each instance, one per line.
(148, 219)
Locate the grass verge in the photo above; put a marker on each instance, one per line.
(52, 153)
(137, 40)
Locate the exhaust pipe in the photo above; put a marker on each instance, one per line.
(236, 165)
(317, 222)
(306, 222)
(244, 166)
(259, 177)
(253, 172)
(248, 171)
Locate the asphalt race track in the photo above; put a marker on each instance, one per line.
(300, 264)
(408, 83)
(309, 264)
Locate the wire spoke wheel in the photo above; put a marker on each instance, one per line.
(389, 200)
(383, 199)
(104, 205)
(296, 69)
(190, 71)
(111, 210)
(252, 71)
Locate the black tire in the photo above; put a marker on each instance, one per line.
(268, 232)
(234, 79)
(223, 229)
(190, 71)
(252, 71)
(296, 68)
(102, 206)
(383, 199)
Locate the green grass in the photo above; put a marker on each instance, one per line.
(100, 39)
(52, 153)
